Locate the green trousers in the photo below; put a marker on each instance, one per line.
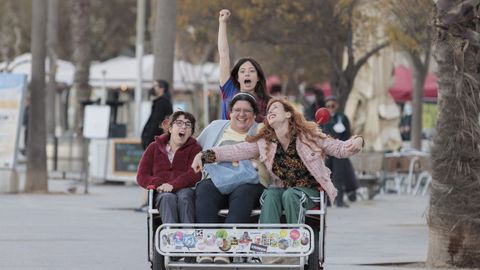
(294, 201)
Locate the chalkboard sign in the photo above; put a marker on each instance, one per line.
(127, 155)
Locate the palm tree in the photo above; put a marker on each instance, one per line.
(36, 179)
(454, 213)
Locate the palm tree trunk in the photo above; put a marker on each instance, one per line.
(454, 213)
(164, 40)
(36, 179)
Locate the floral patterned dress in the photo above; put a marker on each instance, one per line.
(289, 167)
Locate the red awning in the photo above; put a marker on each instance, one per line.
(272, 80)
(402, 88)
(327, 90)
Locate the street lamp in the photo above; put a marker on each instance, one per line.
(139, 57)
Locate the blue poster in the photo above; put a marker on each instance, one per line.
(12, 88)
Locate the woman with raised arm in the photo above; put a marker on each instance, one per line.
(245, 76)
(293, 151)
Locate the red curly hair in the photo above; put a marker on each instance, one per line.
(306, 131)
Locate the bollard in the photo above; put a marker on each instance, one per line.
(55, 153)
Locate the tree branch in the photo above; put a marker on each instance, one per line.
(336, 68)
(365, 58)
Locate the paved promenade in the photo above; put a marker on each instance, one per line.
(101, 231)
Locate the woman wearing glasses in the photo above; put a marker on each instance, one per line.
(166, 164)
(234, 185)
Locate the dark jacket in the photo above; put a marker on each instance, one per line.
(309, 111)
(155, 167)
(161, 109)
(328, 128)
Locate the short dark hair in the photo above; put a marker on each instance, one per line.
(163, 84)
(246, 97)
(187, 115)
(166, 86)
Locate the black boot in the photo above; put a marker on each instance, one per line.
(340, 201)
(352, 196)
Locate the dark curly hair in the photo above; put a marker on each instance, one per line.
(187, 116)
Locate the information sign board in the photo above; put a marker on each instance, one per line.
(12, 89)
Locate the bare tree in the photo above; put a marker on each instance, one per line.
(81, 54)
(454, 213)
(10, 32)
(343, 76)
(318, 33)
(37, 179)
(330, 27)
(52, 39)
(164, 40)
(411, 30)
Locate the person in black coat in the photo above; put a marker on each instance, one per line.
(314, 105)
(343, 174)
(161, 110)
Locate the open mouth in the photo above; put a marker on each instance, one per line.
(181, 134)
(247, 82)
(242, 120)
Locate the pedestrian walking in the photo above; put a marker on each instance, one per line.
(343, 173)
(161, 110)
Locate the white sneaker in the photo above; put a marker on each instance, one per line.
(221, 260)
(205, 259)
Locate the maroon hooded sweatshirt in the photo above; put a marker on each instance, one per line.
(155, 168)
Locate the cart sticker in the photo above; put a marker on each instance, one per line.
(245, 238)
(225, 245)
(229, 240)
(258, 248)
(294, 234)
(305, 239)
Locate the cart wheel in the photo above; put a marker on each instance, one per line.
(313, 260)
(158, 262)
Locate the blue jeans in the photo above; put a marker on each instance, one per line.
(240, 202)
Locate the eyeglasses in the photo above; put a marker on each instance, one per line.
(238, 110)
(185, 124)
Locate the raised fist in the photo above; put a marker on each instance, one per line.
(224, 15)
